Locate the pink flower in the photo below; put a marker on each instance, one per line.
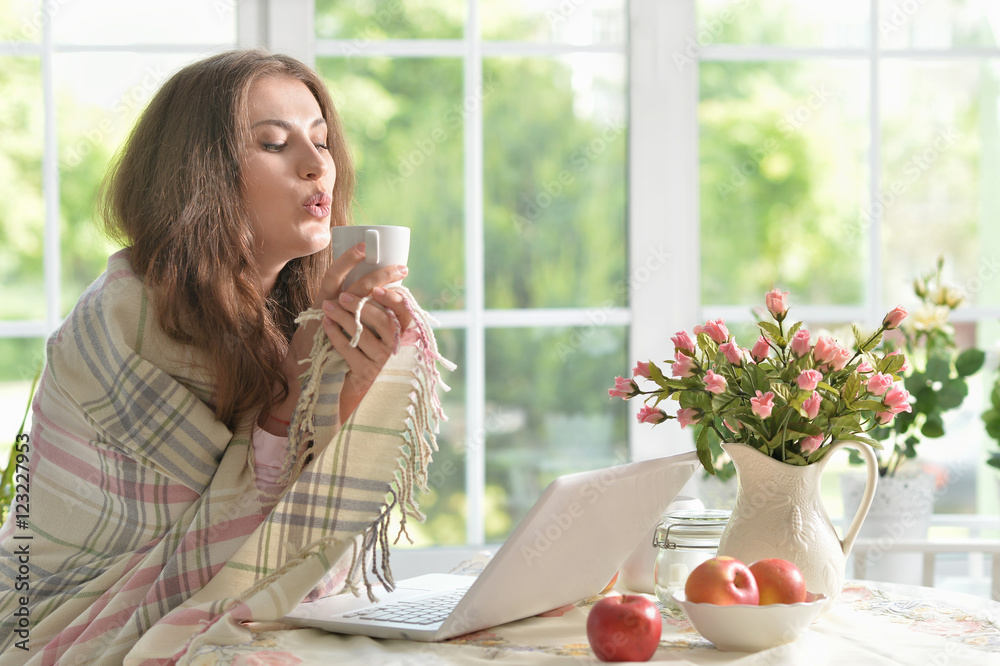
(777, 303)
(687, 416)
(897, 400)
(715, 328)
(760, 349)
(683, 341)
(885, 418)
(800, 343)
(825, 350)
(641, 369)
(682, 365)
(865, 367)
(841, 357)
(715, 383)
(808, 379)
(878, 384)
(762, 404)
(649, 414)
(811, 405)
(733, 352)
(810, 444)
(624, 389)
(830, 353)
(893, 319)
(903, 368)
(731, 427)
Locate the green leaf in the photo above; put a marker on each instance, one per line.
(926, 400)
(891, 364)
(938, 369)
(794, 329)
(870, 405)
(915, 382)
(858, 437)
(770, 330)
(969, 362)
(933, 427)
(703, 447)
(851, 388)
(952, 393)
(782, 391)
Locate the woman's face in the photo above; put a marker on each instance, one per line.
(288, 173)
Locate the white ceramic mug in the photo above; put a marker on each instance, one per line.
(384, 246)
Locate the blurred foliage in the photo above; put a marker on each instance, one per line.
(937, 376)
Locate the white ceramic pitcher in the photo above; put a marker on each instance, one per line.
(779, 513)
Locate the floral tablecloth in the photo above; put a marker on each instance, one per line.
(870, 623)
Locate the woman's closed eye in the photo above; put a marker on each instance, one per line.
(273, 147)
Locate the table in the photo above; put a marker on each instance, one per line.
(869, 623)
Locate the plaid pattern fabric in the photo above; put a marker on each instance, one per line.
(147, 531)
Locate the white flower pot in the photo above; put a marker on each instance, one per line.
(901, 511)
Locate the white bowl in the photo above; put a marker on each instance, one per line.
(746, 628)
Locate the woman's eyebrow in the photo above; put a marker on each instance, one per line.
(284, 124)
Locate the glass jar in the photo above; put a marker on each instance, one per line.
(685, 539)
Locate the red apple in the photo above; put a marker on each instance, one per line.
(624, 628)
(723, 581)
(779, 581)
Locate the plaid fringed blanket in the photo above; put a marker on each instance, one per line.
(147, 534)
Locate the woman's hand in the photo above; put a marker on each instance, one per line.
(383, 316)
(339, 305)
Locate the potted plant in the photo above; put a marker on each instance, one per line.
(936, 376)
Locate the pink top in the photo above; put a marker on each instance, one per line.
(269, 452)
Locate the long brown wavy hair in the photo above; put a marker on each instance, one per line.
(174, 197)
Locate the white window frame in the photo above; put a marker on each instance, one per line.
(663, 212)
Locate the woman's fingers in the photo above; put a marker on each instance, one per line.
(394, 301)
(377, 278)
(333, 279)
(377, 339)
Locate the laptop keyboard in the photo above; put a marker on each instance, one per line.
(419, 611)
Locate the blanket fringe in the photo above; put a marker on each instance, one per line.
(418, 444)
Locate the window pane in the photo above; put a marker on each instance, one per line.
(554, 201)
(576, 22)
(20, 360)
(372, 20)
(548, 413)
(941, 136)
(128, 22)
(21, 20)
(937, 24)
(94, 113)
(783, 154)
(407, 147)
(445, 502)
(804, 23)
(22, 210)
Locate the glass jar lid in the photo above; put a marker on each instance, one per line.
(691, 529)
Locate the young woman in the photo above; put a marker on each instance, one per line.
(197, 456)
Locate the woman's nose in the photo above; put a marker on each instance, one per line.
(313, 166)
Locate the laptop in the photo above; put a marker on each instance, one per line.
(568, 547)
